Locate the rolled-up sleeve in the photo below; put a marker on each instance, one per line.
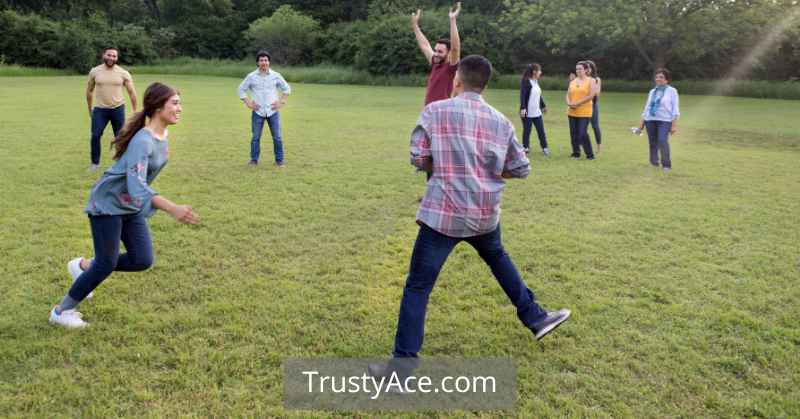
(244, 86)
(676, 111)
(517, 163)
(645, 112)
(140, 194)
(421, 141)
(284, 86)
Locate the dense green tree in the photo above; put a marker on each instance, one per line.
(659, 32)
(627, 38)
(289, 35)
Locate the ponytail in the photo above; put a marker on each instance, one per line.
(134, 124)
(155, 97)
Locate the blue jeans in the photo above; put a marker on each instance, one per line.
(274, 123)
(100, 119)
(107, 231)
(596, 124)
(538, 122)
(658, 135)
(430, 252)
(580, 137)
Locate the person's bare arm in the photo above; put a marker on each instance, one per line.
(131, 93)
(182, 213)
(455, 39)
(90, 96)
(594, 88)
(422, 41)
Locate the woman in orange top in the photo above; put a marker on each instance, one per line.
(579, 99)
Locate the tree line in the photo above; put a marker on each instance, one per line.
(627, 38)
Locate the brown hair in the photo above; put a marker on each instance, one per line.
(667, 74)
(593, 68)
(444, 41)
(529, 71)
(156, 95)
(475, 71)
(263, 53)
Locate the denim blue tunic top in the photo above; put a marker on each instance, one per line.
(125, 188)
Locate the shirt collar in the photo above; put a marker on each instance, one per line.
(471, 96)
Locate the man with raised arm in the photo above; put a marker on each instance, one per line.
(443, 57)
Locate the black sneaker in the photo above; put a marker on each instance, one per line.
(575, 156)
(550, 323)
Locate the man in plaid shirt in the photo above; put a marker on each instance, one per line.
(469, 147)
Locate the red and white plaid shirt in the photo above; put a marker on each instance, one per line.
(470, 145)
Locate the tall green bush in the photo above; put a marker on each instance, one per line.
(31, 40)
(288, 35)
(340, 42)
(389, 47)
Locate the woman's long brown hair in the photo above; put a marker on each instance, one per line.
(156, 95)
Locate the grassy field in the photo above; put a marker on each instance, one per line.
(684, 287)
(337, 74)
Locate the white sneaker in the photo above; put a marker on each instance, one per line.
(92, 168)
(74, 268)
(70, 319)
(546, 152)
(74, 311)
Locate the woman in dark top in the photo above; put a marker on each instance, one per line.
(122, 200)
(532, 107)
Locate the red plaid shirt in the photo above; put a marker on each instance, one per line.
(470, 145)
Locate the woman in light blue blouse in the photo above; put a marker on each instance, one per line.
(660, 117)
(121, 201)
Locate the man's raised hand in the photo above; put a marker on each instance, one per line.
(415, 18)
(455, 11)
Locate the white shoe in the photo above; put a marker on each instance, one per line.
(92, 168)
(546, 152)
(70, 319)
(74, 312)
(74, 268)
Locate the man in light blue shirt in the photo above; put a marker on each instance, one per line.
(268, 92)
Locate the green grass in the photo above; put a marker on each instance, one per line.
(683, 286)
(337, 74)
(13, 70)
(319, 74)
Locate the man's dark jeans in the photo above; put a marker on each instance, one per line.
(100, 119)
(430, 252)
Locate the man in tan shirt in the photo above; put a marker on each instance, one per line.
(105, 90)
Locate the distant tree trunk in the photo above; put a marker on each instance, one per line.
(660, 59)
(152, 5)
(640, 48)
